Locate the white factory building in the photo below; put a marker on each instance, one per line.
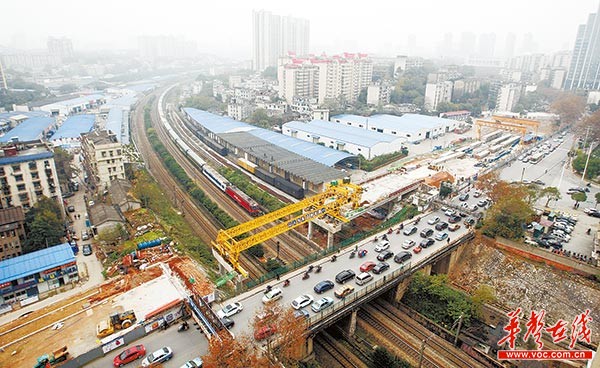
(351, 139)
(412, 127)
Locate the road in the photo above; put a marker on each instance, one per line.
(186, 346)
(252, 300)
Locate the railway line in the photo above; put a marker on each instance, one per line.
(338, 352)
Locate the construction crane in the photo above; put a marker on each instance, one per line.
(506, 123)
(230, 243)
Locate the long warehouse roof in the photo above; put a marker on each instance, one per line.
(410, 123)
(34, 262)
(29, 130)
(74, 126)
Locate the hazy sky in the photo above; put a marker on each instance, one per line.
(224, 27)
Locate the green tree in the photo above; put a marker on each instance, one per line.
(62, 160)
(382, 357)
(578, 197)
(113, 235)
(569, 107)
(550, 193)
(533, 193)
(260, 118)
(44, 224)
(506, 217)
(445, 190)
(593, 165)
(483, 295)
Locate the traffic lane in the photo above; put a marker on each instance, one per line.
(186, 345)
(252, 303)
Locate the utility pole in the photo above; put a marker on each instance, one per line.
(562, 173)
(458, 329)
(587, 161)
(423, 348)
(522, 174)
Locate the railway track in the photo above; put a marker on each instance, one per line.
(337, 351)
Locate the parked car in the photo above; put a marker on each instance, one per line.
(325, 285)
(84, 235)
(469, 221)
(402, 257)
(380, 267)
(385, 255)
(465, 206)
(68, 195)
(87, 250)
(194, 363)
(129, 355)
(159, 356)
(426, 243)
(264, 332)
(476, 194)
(363, 278)
(367, 266)
(434, 220)
(230, 310)
(302, 301)
(417, 249)
(227, 322)
(426, 233)
(407, 244)
(441, 236)
(441, 226)
(344, 276)
(272, 295)
(381, 246)
(71, 208)
(454, 219)
(301, 313)
(344, 291)
(454, 227)
(449, 212)
(463, 197)
(321, 304)
(482, 203)
(410, 230)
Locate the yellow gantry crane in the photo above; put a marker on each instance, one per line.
(507, 123)
(230, 243)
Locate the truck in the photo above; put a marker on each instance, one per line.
(115, 321)
(53, 358)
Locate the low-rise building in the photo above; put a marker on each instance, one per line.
(75, 105)
(119, 195)
(104, 217)
(34, 275)
(12, 232)
(103, 156)
(239, 111)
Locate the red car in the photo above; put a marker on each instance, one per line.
(367, 266)
(129, 355)
(264, 332)
(417, 249)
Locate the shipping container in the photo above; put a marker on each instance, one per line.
(246, 165)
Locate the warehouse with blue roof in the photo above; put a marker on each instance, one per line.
(72, 128)
(10, 119)
(306, 164)
(30, 130)
(37, 273)
(355, 140)
(413, 127)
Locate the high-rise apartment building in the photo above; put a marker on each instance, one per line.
(336, 77)
(103, 157)
(584, 72)
(274, 36)
(62, 47)
(12, 232)
(508, 97)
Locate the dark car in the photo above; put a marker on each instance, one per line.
(227, 322)
(129, 355)
(425, 243)
(68, 194)
(470, 221)
(385, 255)
(325, 285)
(594, 214)
(380, 267)
(71, 208)
(454, 219)
(463, 197)
(344, 276)
(426, 233)
(87, 250)
(441, 226)
(402, 257)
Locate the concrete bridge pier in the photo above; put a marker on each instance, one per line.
(395, 295)
(310, 230)
(307, 352)
(446, 264)
(329, 239)
(351, 323)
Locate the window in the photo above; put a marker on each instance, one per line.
(46, 163)
(23, 197)
(35, 175)
(21, 187)
(2, 171)
(111, 153)
(103, 153)
(19, 177)
(118, 152)
(32, 166)
(16, 168)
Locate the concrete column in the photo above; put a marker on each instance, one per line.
(307, 348)
(400, 290)
(329, 239)
(351, 327)
(426, 269)
(310, 230)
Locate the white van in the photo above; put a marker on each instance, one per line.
(363, 278)
(84, 235)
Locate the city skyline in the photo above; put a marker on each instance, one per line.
(382, 29)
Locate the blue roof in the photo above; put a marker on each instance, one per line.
(114, 121)
(74, 126)
(222, 124)
(5, 116)
(409, 123)
(79, 100)
(7, 160)
(31, 263)
(29, 130)
(343, 133)
(123, 101)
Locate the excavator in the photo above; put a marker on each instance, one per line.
(116, 321)
(49, 360)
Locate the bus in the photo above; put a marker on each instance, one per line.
(536, 157)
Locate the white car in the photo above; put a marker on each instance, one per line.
(449, 212)
(321, 304)
(159, 356)
(302, 301)
(230, 309)
(464, 206)
(384, 245)
(273, 295)
(408, 244)
(477, 194)
(434, 220)
(194, 363)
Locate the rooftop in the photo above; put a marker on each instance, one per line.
(29, 130)
(31, 263)
(78, 100)
(74, 126)
(409, 123)
(101, 213)
(21, 115)
(99, 137)
(11, 214)
(114, 121)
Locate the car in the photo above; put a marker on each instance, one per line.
(159, 356)
(302, 301)
(454, 219)
(425, 233)
(71, 208)
(129, 355)
(434, 220)
(385, 255)
(344, 276)
(227, 322)
(325, 285)
(344, 291)
(482, 203)
(463, 197)
(453, 227)
(441, 226)
(426, 243)
(417, 249)
(402, 257)
(367, 266)
(91, 203)
(475, 208)
(380, 267)
(381, 246)
(465, 206)
(68, 194)
(588, 210)
(594, 214)
(84, 235)
(477, 194)
(272, 295)
(539, 182)
(87, 250)
(230, 310)
(410, 230)
(301, 313)
(264, 332)
(363, 278)
(449, 212)
(441, 236)
(470, 221)
(462, 214)
(407, 244)
(194, 363)
(321, 304)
